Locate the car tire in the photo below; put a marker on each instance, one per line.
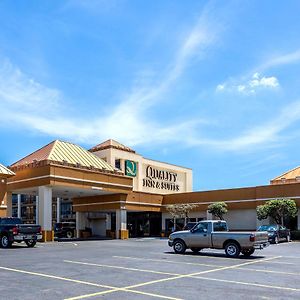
(179, 247)
(196, 250)
(232, 250)
(248, 252)
(69, 234)
(4, 241)
(30, 243)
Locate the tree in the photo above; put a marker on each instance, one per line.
(277, 209)
(218, 209)
(180, 211)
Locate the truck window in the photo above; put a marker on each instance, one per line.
(200, 227)
(220, 226)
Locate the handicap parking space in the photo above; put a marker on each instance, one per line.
(144, 269)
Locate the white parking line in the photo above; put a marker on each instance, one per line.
(206, 265)
(119, 267)
(167, 261)
(111, 288)
(131, 287)
(250, 284)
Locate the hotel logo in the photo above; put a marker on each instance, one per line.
(130, 168)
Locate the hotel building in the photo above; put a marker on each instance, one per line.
(112, 190)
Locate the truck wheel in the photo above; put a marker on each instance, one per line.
(4, 242)
(232, 249)
(69, 234)
(30, 243)
(179, 247)
(196, 250)
(248, 252)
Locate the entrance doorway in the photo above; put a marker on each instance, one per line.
(143, 224)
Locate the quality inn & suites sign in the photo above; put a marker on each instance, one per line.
(161, 179)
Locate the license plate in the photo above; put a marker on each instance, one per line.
(29, 237)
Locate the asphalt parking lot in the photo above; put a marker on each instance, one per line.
(144, 269)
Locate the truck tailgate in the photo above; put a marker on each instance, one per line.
(261, 236)
(29, 228)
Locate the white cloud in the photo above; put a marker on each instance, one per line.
(262, 135)
(263, 81)
(249, 86)
(279, 60)
(25, 102)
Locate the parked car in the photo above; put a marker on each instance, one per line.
(276, 233)
(12, 230)
(214, 234)
(65, 229)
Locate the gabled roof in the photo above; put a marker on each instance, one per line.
(67, 154)
(111, 144)
(6, 172)
(291, 175)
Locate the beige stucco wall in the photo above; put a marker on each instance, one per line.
(182, 183)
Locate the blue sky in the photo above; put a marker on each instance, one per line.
(211, 85)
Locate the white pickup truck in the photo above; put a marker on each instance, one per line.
(214, 234)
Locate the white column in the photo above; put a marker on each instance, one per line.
(19, 205)
(37, 210)
(121, 221)
(45, 207)
(9, 204)
(298, 225)
(209, 216)
(80, 222)
(57, 209)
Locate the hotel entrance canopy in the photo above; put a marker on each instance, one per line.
(61, 164)
(63, 170)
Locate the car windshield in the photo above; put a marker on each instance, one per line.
(267, 228)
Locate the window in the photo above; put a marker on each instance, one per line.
(118, 164)
(201, 227)
(220, 226)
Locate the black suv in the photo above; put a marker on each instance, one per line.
(65, 229)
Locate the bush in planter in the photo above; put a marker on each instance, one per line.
(295, 235)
